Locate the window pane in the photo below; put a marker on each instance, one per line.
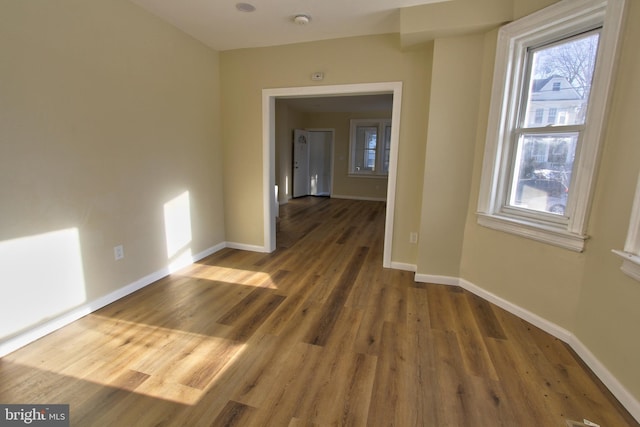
(539, 115)
(560, 82)
(366, 141)
(542, 174)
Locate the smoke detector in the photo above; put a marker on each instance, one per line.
(245, 7)
(302, 19)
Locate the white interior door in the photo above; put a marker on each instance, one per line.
(320, 152)
(300, 163)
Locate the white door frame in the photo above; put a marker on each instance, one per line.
(269, 149)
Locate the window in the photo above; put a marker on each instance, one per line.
(370, 145)
(539, 115)
(631, 252)
(562, 118)
(387, 147)
(540, 178)
(538, 175)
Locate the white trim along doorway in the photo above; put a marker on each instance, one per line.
(269, 97)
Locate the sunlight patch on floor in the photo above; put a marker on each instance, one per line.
(179, 366)
(230, 275)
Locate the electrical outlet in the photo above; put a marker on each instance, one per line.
(118, 252)
(413, 237)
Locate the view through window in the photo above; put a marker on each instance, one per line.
(552, 119)
(366, 143)
(370, 146)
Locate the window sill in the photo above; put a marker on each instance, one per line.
(536, 231)
(630, 264)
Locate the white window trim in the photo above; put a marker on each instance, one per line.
(380, 123)
(564, 17)
(631, 253)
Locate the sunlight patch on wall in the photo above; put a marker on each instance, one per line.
(42, 277)
(177, 225)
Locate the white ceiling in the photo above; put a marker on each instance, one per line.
(218, 23)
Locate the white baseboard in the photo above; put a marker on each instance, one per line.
(371, 199)
(542, 323)
(38, 331)
(403, 266)
(245, 247)
(212, 250)
(438, 280)
(617, 389)
(623, 395)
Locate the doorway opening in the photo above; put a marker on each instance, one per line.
(312, 162)
(269, 97)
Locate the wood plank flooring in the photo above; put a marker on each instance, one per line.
(315, 334)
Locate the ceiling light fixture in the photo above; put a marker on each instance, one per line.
(245, 7)
(302, 19)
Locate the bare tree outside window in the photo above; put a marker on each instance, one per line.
(575, 61)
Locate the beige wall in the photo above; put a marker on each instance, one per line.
(526, 273)
(453, 18)
(353, 60)
(106, 114)
(586, 293)
(608, 316)
(526, 7)
(455, 89)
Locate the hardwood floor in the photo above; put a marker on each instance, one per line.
(315, 334)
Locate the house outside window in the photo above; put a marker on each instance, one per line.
(370, 147)
(538, 175)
